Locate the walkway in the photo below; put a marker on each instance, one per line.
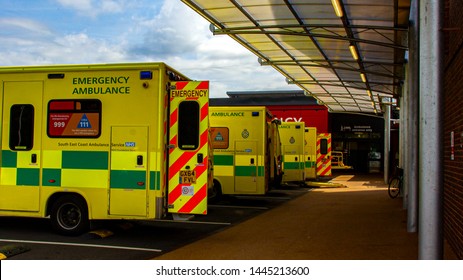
(358, 222)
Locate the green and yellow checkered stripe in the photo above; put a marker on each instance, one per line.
(16, 169)
(75, 168)
(70, 168)
(60, 168)
(291, 162)
(224, 165)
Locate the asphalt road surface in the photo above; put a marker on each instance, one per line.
(33, 239)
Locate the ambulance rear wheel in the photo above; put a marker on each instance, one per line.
(69, 215)
(215, 194)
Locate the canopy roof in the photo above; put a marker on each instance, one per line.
(312, 45)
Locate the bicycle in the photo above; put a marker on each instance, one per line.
(395, 183)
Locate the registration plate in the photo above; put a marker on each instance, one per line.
(187, 176)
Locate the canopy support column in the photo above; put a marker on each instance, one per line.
(430, 233)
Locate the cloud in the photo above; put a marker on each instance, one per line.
(180, 37)
(93, 8)
(70, 49)
(162, 31)
(175, 30)
(23, 26)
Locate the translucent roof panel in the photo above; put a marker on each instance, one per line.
(313, 46)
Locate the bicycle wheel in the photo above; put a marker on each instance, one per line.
(393, 189)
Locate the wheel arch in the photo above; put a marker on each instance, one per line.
(57, 195)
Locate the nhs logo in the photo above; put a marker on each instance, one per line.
(130, 144)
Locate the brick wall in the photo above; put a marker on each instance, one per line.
(453, 121)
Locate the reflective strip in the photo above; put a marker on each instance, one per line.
(223, 160)
(187, 158)
(9, 158)
(52, 159)
(85, 160)
(293, 165)
(125, 160)
(84, 178)
(223, 170)
(51, 177)
(155, 180)
(28, 177)
(128, 179)
(156, 162)
(249, 171)
(8, 177)
(18, 169)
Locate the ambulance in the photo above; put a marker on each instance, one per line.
(112, 141)
(247, 152)
(292, 137)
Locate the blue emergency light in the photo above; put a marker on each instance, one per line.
(146, 75)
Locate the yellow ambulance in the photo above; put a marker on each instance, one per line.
(246, 146)
(112, 141)
(292, 137)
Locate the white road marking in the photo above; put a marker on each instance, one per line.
(193, 222)
(81, 245)
(239, 207)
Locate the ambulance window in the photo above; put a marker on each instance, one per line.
(21, 127)
(74, 118)
(188, 125)
(323, 146)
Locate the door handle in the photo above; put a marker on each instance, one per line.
(139, 160)
(252, 161)
(34, 158)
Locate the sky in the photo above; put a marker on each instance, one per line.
(48, 32)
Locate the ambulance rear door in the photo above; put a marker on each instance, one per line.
(324, 155)
(246, 166)
(187, 157)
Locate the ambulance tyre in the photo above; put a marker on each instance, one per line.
(276, 183)
(69, 215)
(216, 192)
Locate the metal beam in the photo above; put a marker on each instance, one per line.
(309, 82)
(312, 35)
(311, 64)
